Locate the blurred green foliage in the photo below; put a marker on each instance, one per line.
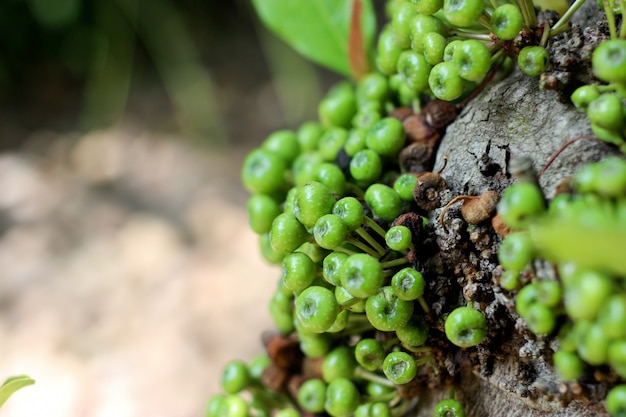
(96, 41)
(97, 50)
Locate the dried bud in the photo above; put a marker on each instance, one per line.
(413, 222)
(480, 209)
(475, 209)
(416, 158)
(401, 113)
(275, 378)
(439, 114)
(564, 186)
(418, 130)
(499, 226)
(428, 190)
(283, 351)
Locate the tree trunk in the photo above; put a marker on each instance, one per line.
(511, 374)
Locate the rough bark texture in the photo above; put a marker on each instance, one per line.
(512, 374)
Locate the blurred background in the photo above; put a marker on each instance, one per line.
(128, 274)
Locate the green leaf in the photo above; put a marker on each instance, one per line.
(317, 29)
(13, 384)
(589, 247)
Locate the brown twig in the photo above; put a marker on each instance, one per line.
(561, 149)
(357, 55)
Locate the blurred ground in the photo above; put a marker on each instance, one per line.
(128, 274)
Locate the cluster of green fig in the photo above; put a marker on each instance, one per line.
(335, 207)
(605, 104)
(584, 304)
(445, 48)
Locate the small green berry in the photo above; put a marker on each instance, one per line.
(587, 293)
(263, 171)
(568, 365)
(401, 23)
(404, 186)
(298, 271)
(612, 316)
(510, 280)
(332, 177)
(386, 137)
(283, 143)
(533, 60)
(330, 231)
(462, 13)
(449, 408)
(427, 7)
(312, 395)
(616, 401)
(257, 365)
(214, 406)
(472, 59)
(434, 45)
(316, 309)
(520, 204)
(373, 87)
(593, 346)
(338, 106)
(516, 251)
(582, 96)
(338, 363)
(617, 356)
(414, 333)
(370, 354)
(466, 327)
(386, 312)
(399, 367)
(384, 201)
(304, 168)
(287, 233)
(388, 51)
(350, 210)
(408, 284)
(235, 377)
(540, 319)
(607, 111)
(234, 406)
(331, 265)
(398, 238)
(361, 275)
(423, 24)
(313, 201)
(314, 345)
(331, 142)
(548, 293)
(262, 210)
(445, 81)
(356, 141)
(507, 21)
(342, 398)
(526, 297)
(415, 69)
(609, 61)
(448, 52)
(366, 166)
(308, 136)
